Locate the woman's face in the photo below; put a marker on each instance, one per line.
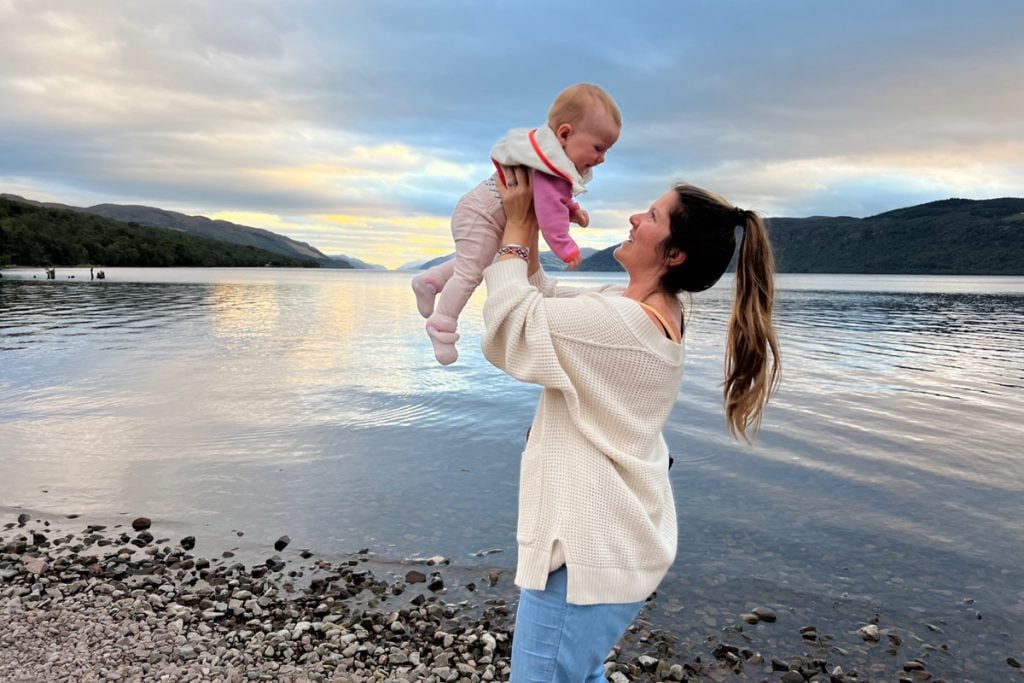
(648, 231)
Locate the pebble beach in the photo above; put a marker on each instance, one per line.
(86, 602)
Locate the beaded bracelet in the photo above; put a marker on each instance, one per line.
(516, 250)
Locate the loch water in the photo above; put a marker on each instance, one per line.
(887, 481)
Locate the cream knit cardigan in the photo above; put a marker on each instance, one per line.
(594, 491)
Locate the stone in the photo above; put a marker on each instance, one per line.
(764, 614)
(23, 518)
(414, 576)
(282, 543)
(792, 677)
(749, 617)
(869, 633)
(647, 663)
(188, 543)
(35, 565)
(141, 523)
(1013, 662)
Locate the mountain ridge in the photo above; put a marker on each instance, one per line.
(202, 226)
(953, 236)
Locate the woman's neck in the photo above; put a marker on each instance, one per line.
(647, 290)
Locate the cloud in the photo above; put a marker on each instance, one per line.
(383, 112)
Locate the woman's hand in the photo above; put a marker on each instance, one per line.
(521, 221)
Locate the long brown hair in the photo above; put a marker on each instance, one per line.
(703, 227)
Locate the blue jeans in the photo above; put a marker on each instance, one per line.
(557, 641)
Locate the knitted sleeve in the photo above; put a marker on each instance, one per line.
(523, 328)
(551, 287)
(517, 335)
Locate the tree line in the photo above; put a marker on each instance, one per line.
(33, 235)
(948, 237)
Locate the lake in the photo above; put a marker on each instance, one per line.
(888, 479)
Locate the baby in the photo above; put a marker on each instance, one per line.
(583, 124)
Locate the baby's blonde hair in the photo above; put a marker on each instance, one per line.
(573, 103)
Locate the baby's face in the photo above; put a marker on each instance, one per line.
(586, 143)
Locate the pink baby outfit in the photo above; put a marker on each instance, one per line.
(479, 221)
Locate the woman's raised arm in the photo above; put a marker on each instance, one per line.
(520, 220)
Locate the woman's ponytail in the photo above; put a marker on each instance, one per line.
(703, 226)
(750, 376)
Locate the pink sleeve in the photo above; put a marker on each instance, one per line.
(552, 200)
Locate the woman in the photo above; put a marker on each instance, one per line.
(597, 527)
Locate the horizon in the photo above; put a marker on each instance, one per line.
(356, 129)
(544, 249)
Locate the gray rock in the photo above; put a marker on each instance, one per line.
(869, 633)
(141, 523)
(282, 543)
(764, 614)
(35, 565)
(647, 663)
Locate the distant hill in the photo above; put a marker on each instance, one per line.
(948, 237)
(35, 235)
(201, 226)
(548, 260)
(356, 263)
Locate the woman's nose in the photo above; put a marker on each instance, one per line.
(634, 220)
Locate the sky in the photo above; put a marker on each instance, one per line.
(356, 126)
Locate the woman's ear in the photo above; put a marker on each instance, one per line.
(675, 257)
(563, 132)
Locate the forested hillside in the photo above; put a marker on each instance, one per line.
(949, 237)
(32, 235)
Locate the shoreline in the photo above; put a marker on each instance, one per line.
(128, 602)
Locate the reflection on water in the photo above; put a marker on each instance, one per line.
(308, 402)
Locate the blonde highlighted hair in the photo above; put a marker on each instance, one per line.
(703, 226)
(573, 103)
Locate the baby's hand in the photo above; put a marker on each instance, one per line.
(575, 263)
(580, 217)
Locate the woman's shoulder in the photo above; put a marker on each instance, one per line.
(607, 317)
